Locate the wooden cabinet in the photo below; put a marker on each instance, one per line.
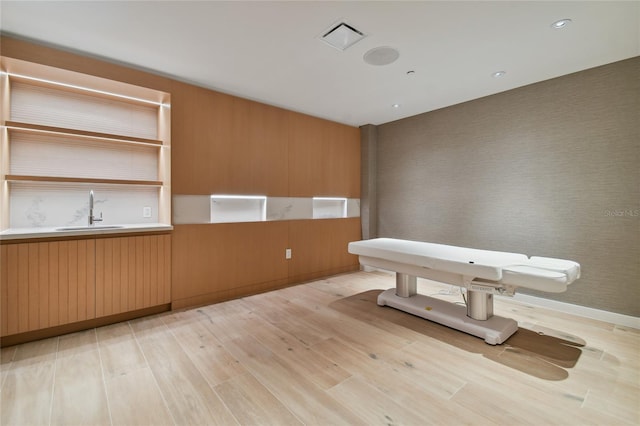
(218, 262)
(132, 273)
(55, 283)
(320, 247)
(223, 261)
(46, 284)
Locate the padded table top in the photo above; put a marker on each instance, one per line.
(544, 274)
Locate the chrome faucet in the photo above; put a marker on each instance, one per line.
(92, 218)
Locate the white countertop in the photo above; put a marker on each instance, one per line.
(24, 233)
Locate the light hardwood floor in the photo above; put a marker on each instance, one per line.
(324, 353)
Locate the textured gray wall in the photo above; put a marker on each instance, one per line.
(551, 169)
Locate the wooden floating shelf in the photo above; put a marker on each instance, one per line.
(28, 127)
(58, 179)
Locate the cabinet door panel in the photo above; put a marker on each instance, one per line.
(46, 284)
(131, 273)
(4, 292)
(320, 247)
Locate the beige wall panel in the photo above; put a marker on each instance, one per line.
(215, 258)
(324, 158)
(550, 169)
(320, 247)
(223, 144)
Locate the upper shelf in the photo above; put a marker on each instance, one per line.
(28, 127)
(60, 179)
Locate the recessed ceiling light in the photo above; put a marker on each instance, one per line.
(562, 23)
(396, 106)
(498, 74)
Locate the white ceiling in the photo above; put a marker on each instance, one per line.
(271, 51)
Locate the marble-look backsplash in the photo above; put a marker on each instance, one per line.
(45, 205)
(225, 210)
(192, 209)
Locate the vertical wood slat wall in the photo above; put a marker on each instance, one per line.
(46, 284)
(49, 284)
(132, 273)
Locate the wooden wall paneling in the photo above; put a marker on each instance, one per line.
(240, 166)
(259, 163)
(200, 135)
(209, 259)
(305, 141)
(319, 247)
(224, 144)
(349, 154)
(340, 160)
(324, 158)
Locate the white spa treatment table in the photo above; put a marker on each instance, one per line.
(482, 273)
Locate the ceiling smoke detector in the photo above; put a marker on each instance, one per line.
(342, 36)
(381, 55)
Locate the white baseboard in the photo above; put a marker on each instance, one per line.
(582, 311)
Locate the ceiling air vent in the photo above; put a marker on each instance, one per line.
(342, 35)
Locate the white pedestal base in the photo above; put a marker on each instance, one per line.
(494, 330)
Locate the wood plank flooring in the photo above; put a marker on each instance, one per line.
(323, 353)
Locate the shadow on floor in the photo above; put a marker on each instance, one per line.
(538, 353)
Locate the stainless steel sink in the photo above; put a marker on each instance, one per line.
(88, 228)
